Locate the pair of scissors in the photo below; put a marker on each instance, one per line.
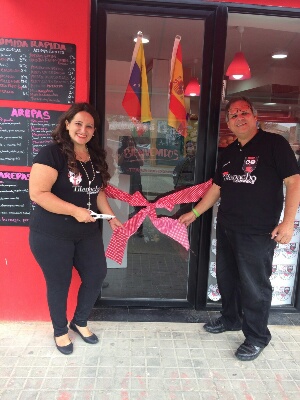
(101, 216)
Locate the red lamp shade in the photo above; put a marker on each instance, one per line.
(193, 88)
(239, 68)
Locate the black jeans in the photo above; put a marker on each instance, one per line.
(56, 257)
(243, 267)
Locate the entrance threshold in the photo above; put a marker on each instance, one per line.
(180, 315)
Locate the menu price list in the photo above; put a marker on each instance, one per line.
(37, 71)
(23, 132)
(15, 205)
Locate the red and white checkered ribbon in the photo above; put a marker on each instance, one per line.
(168, 226)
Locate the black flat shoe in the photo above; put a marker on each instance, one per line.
(248, 351)
(217, 326)
(66, 350)
(88, 339)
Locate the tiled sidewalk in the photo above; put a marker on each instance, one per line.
(153, 360)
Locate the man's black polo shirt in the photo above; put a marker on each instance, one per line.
(251, 181)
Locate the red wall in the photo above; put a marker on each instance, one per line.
(22, 287)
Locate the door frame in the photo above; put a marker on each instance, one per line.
(214, 46)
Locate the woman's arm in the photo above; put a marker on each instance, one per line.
(105, 208)
(120, 157)
(139, 156)
(42, 178)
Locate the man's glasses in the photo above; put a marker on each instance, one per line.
(233, 112)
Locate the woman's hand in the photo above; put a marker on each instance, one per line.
(83, 215)
(187, 219)
(115, 223)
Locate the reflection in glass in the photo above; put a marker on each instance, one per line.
(274, 90)
(154, 265)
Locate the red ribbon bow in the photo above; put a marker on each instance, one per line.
(168, 226)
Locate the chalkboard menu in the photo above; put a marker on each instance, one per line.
(37, 71)
(23, 132)
(15, 205)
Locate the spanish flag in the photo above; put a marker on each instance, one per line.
(177, 113)
(136, 99)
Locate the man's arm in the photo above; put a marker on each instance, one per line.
(209, 199)
(284, 231)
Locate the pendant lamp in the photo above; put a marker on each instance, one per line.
(193, 87)
(239, 68)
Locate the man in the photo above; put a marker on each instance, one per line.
(184, 171)
(249, 179)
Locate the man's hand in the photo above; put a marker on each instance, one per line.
(283, 232)
(187, 219)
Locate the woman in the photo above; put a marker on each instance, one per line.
(130, 161)
(67, 182)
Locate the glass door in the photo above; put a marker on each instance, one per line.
(155, 162)
(156, 270)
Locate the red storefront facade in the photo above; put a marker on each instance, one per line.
(85, 24)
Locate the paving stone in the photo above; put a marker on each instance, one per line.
(145, 360)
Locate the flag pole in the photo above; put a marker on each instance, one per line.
(136, 98)
(177, 113)
(173, 58)
(136, 49)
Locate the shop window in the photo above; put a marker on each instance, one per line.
(274, 88)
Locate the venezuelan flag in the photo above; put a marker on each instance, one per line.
(136, 99)
(177, 112)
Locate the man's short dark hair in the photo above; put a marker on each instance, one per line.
(234, 100)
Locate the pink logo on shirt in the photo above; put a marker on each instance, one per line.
(74, 179)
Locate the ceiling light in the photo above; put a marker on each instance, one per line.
(279, 55)
(239, 68)
(144, 40)
(193, 87)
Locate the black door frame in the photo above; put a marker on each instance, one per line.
(215, 17)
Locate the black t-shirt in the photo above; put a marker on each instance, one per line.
(251, 181)
(68, 187)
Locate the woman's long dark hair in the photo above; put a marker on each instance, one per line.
(125, 142)
(61, 136)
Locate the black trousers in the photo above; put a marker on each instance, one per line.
(56, 257)
(136, 185)
(243, 268)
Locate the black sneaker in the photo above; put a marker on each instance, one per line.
(248, 351)
(217, 326)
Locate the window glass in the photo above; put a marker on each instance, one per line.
(274, 88)
(155, 162)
